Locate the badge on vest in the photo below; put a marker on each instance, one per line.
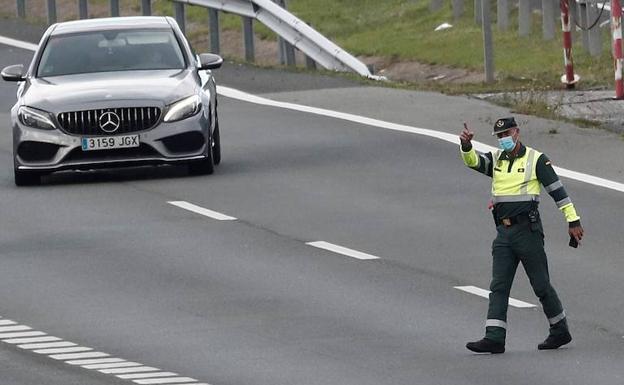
(520, 170)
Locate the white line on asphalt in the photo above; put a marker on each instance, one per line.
(31, 340)
(129, 370)
(174, 380)
(341, 250)
(63, 350)
(14, 328)
(486, 294)
(146, 375)
(95, 361)
(7, 322)
(18, 43)
(74, 356)
(122, 364)
(452, 138)
(202, 211)
(246, 97)
(24, 334)
(62, 344)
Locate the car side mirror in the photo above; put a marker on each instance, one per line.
(14, 73)
(209, 61)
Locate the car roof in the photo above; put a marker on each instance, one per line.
(131, 22)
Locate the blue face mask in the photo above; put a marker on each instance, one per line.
(506, 143)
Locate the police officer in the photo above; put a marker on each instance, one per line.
(517, 172)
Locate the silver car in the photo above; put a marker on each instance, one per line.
(112, 92)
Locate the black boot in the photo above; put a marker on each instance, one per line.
(555, 341)
(486, 345)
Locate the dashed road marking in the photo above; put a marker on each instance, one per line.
(202, 211)
(54, 347)
(341, 250)
(486, 294)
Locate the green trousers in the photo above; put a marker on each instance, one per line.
(514, 245)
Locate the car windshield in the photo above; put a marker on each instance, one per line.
(105, 51)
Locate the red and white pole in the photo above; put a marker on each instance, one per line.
(616, 30)
(569, 78)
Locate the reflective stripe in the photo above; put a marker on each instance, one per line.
(558, 318)
(515, 198)
(563, 202)
(496, 323)
(554, 186)
(528, 172)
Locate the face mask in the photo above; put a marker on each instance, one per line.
(506, 143)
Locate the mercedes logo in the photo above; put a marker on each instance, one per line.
(109, 121)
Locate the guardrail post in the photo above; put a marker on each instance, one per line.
(502, 15)
(582, 10)
(248, 37)
(524, 17)
(114, 8)
(569, 78)
(180, 15)
(458, 9)
(487, 41)
(478, 17)
(595, 40)
(146, 7)
(213, 21)
(21, 8)
(286, 50)
(51, 12)
(548, 19)
(83, 10)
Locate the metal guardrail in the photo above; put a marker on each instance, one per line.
(293, 32)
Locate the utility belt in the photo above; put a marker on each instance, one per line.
(532, 218)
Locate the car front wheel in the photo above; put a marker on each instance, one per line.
(204, 166)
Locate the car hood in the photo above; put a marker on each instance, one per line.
(111, 89)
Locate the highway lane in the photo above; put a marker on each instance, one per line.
(248, 302)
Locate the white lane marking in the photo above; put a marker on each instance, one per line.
(129, 370)
(341, 250)
(146, 375)
(7, 322)
(73, 356)
(486, 294)
(123, 364)
(174, 380)
(24, 334)
(18, 43)
(31, 340)
(14, 328)
(452, 138)
(246, 97)
(62, 344)
(202, 211)
(94, 361)
(63, 350)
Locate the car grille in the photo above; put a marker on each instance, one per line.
(130, 119)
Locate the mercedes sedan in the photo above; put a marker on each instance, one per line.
(113, 92)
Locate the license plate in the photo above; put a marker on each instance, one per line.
(110, 142)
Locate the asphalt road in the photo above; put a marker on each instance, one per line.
(102, 259)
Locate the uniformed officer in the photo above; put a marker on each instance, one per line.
(517, 172)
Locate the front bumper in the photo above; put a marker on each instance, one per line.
(166, 143)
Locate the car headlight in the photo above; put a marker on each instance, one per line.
(183, 109)
(33, 117)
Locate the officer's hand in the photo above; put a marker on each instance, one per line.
(465, 137)
(576, 232)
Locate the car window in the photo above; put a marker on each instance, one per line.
(105, 51)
